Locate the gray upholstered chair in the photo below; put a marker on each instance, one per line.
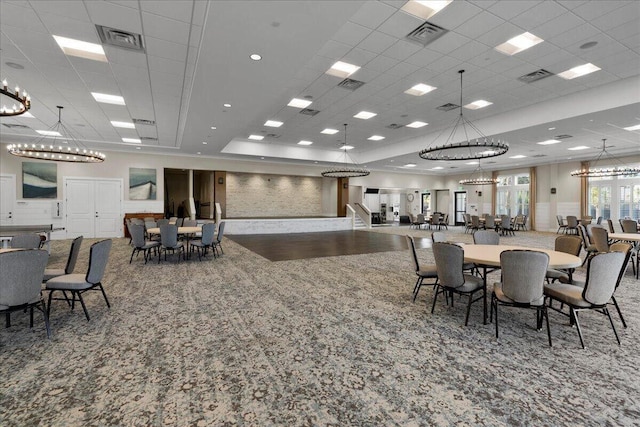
(561, 224)
(189, 223)
(489, 222)
(140, 243)
(420, 220)
(206, 241)
(26, 241)
(21, 281)
(600, 238)
(78, 284)
(451, 278)
(178, 222)
(610, 224)
(506, 226)
(435, 220)
(568, 244)
(486, 237)
(217, 243)
(625, 248)
(467, 222)
(475, 223)
(572, 224)
(589, 248)
(603, 273)
(589, 228)
(424, 271)
(169, 242)
(50, 273)
(162, 222)
(438, 236)
(629, 225)
(522, 284)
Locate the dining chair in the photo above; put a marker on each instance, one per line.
(561, 224)
(522, 284)
(589, 248)
(189, 223)
(217, 243)
(169, 242)
(610, 224)
(438, 236)
(626, 249)
(449, 259)
(600, 238)
(629, 225)
(162, 221)
(141, 244)
(603, 273)
(78, 284)
(26, 241)
(506, 226)
(435, 220)
(467, 222)
(475, 223)
(486, 237)
(21, 282)
(489, 222)
(572, 224)
(206, 241)
(443, 221)
(424, 271)
(568, 244)
(420, 220)
(50, 273)
(178, 222)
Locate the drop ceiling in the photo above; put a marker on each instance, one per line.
(196, 59)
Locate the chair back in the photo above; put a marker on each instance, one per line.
(600, 238)
(625, 248)
(73, 255)
(420, 219)
(162, 221)
(523, 273)
(505, 222)
(189, 223)
(611, 229)
(178, 222)
(169, 235)
(444, 220)
(599, 220)
(220, 231)
(438, 236)
(21, 278)
(150, 224)
(137, 221)
(26, 241)
(572, 221)
(449, 262)
(98, 258)
(486, 237)
(568, 244)
(560, 221)
(412, 251)
(173, 219)
(435, 218)
(149, 219)
(582, 232)
(589, 228)
(475, 221)
(629, 226)
(489, 221)
(602, 277)
(467, 219)
(137, 235)
(208, 233)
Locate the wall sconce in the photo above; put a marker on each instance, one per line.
(220, 180)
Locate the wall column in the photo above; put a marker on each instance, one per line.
(532, 198)
(220, 191)
(584, 192)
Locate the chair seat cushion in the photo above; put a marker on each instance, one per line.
(468, 266)
(75, 282)
(569, 294)
(497, 290)
(50, 273)
(3, 307)
(563, 276)
(471, 283)
(150, 244)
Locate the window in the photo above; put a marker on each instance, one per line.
(512, 197)
(614, 197)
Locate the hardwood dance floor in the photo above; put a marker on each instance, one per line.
(284, 247)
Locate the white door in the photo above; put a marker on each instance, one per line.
(7, 198)
(93, 207)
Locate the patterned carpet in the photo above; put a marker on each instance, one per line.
(326, 341)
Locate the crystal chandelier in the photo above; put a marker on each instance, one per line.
(479, 148)
(65, 147)
(345, 171)
(23, 101)
(595, 172)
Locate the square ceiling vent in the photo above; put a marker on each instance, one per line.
(426, 33)
(350, 84)
(144, 122)
(535, 76)
(447, 107)
(15, 126)
(309, 112)
(120, 38)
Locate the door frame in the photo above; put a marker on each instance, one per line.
(93, 179)
(455, 206)
(13, 199)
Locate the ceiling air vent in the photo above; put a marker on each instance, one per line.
(272, 135)
(535, 76)
(350, 84)
(563, 136)
(120, 38)
(447, 107)
(490, 163)
(15, 126)
(309, 112)
(394, 126)
(426, 33)
(144, 122)
(539, 155)
(148, 138)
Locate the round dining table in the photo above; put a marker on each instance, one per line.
(489, 255)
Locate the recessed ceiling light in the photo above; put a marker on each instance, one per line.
(213, 128)
(437, 168)
(299, 103)
(579, 71)
(552, 128)
(419, 89)
(108, 99)
(548, 142)
(364, 115)
(198, 152)
(255, 57)
(227, 105)
(424, 9)
(256, 137)
(81, 49)
(48, 133)
(518, 44)
(273, 123)
(138, 148)
(132, 140)
(471, 163)
(630, 128)
(409, 165)
(346, 147)
(519, 156)
(417, 124)
(329, 131)
(305, 142)
(375, 138)
(579, 147)
(204, 142)
(481, 103)
(126, 125)
(342, 69)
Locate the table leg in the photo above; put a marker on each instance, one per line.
(484, 271)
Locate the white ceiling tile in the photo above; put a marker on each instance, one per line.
(126, 3)
(377, 42)
(131, 58)
(423, 57)
(624, 14)
(372, 14)
(359, 56)
(403, 69)
(166, 49)
(538, 15)
(590, 10)
(402, 49)
(165, 28)
(480, 24)
(400, 24)
(456, 14)
(82, 64)
(114, 16)
(443, 64)
(572, 4)
(70, 9)
(556, 26)
(195, 36)
(23, 17)
(580, 34)
(499, 34)
(180, 10)
(334, 50)
(351, 34)
(449, 42)
(510, 9)
(381, 64)
(469, 50)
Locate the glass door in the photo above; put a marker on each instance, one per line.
(460, 206)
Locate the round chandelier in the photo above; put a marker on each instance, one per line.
(345, 171)
(479, 147)
(477, 178)
(595, 172)
(23, 101)
(64, 147)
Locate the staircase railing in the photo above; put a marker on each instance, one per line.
(364, 213)
(351, 213)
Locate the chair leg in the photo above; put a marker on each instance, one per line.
(132, 253)
(46, 319)
(104, 295)
(574, 316)
(606, 311)
(494, 303)
(615, 303)
(545, 314)
(49, 303)
(84, 307)
(435, 297)
(416, 288)
(466, 320)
